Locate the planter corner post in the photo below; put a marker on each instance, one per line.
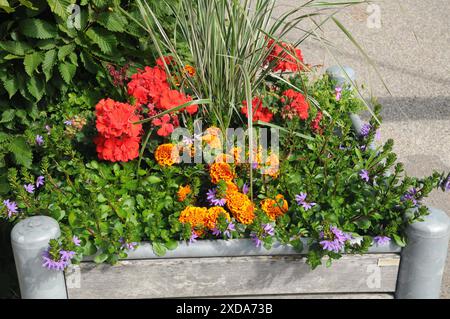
(423, 259)
(29, 239)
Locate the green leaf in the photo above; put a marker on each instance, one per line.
(27, 4)
(154, 179)
(100, 258)
(36, 86)
(59, 7)
(112, 21)
(48, 63)
(103, 38)
(5, 6)
(21, 151)
(89, 63)
(11, 85)
(67, 71)
(159, 249)
(37, 28)
(32, 61)
(65, 50)
(7, 116)
(399, 240)
(15, 47)
(72, 218)
(171, 244)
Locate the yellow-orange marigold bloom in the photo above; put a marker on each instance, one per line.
(273, 207)
(221, 171)
(223, 158)
(231, 187)
(183, 191)
(167, 154)
(237, 156)
(241, 207)
(190, 70)
(212, 137)
(272, 165)
(213, 214)
(193, 215)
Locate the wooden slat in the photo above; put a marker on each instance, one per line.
(228, 276)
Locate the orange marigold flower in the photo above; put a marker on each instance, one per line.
(213, 137)
(237, 155)
(183, 191)
(223, 158)
(190, 70)
(241, 207)
(231, 187)
(221, 171)
(193, 215)
(272, 166)
(274, 207)
(212, 216)
(167, 154)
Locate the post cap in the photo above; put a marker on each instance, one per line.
(34, 230)
(435, 225)
(337, 73)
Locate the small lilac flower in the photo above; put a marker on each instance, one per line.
(268, 229)
(29, 188)
(39, 140)
(48, 129)
(60, 264)
(68, 122)
(213, 200)
(365, 129)
(127, 246)
(11, 207)
(377, 135)
(336, 243)
(76, 240)
(66, 255)
(338, 92)
(193, 238)
(381, 240)
(364, 174)
(229, 229)
(255, 239)
(411, 195)
(245, 189)
(301, 201)
(40, 181)
(363, 147)
(216, 232)
(447, 185)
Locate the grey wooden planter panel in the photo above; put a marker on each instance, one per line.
(238, 276)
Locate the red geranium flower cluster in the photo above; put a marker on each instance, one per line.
(315, 124)
(118, 138)
(296, 105)
(260, 113)
(151, 87)
(284, 61)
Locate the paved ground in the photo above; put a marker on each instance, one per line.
(412, 51)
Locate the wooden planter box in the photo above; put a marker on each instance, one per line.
(236, 268)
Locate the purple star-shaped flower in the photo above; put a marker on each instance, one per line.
(29, 188)
(193, 237)
(40, 181)
(229, 229)
(268, 229)
(39, 140)
(68, 122)
(76, 240)
(213, 200)
(301, 201)
(245, 189)
(364, 174)
(255, 239)
(381, 240)
(216, 232)
(11, 207)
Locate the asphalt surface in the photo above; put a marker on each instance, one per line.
(410, 47)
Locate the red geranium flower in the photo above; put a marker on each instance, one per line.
(166, 127)
(115, 119)
(260, 113)
(148, 85)
(315, 124)
(117, 149)
(284, 61)
(296, 105)
(168, 59)
(173, 98)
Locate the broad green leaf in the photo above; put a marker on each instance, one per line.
(5, 6)
(89, 63)
(65, 50)
(32, 61)
(103, 38)
(27, 4)
(21, 151)
(36, 86)
(11, 85)
(15, 47)
(37, 28)
(171, 244)
(67, 71)
(59, 7)
(7, 116)
(100, 258)
(48, 63)
(113, 21)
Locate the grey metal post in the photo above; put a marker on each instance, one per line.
(29, 240)
(423, 259)
(337, 73)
